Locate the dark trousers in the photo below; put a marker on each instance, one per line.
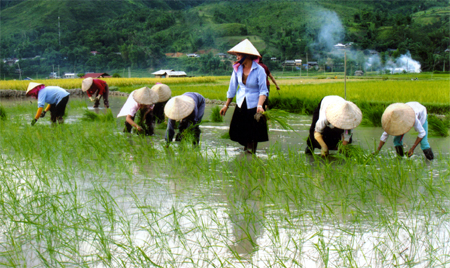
(57, 111)
(331, 136)
(105, 99)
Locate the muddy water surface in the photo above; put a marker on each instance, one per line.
(222, 222)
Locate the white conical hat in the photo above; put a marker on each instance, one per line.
(163, 92)
(244, 47)
(86, 84)
(344, 115)
(179, 107)
(32, 85)
(145, 96)
(397, 119)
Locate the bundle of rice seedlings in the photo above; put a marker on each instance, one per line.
(92, 116)
(438, 126)
(2, 113)
(215, 115)
(278, 116)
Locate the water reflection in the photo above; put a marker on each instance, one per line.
(245, 207)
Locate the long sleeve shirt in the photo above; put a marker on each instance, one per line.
(51, 95)
(254, 87)
(197, 114)
(97, 85)
(421, 116)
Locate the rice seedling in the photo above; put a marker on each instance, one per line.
(215, 115)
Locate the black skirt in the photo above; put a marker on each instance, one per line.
(331, 136)
(245, 129)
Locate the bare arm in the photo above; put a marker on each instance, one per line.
(132, 123)
(411, 150)
(262, 99)
(274, 82)
(224, 109)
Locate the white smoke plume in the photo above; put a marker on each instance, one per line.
(331, 30)
(400, 65)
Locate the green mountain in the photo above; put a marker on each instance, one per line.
(139, 33)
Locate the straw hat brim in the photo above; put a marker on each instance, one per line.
(344, 115)
(32, 85)
(145, 96)
(397, 119)
(86, 84)
(179, 107)
(244, 47)
(163, 92)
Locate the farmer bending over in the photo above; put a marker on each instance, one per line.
(188, 109)
(332, 122)
(399, 118)
(56, 98)
(139, 111)
(96, 87)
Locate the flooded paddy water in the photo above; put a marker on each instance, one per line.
(86, 194)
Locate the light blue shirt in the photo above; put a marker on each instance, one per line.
(51, 95)
(254, 87)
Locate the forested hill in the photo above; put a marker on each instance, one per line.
(139, 33)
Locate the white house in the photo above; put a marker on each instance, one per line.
(169, 73)
(70, 75)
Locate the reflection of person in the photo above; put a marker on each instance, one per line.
(56, 98)
(188, 109)
(164, 94)
(138, 110)
(269, 75)
(96, 87)
(246, 126)
(399, 118)
(333, 120)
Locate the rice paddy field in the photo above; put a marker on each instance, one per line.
(85, 194)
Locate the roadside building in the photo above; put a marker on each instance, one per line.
(70, 75)
(96, 75)
(169, 73)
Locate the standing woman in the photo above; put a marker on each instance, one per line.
(56, 98)
(248, 84)
(96, 87)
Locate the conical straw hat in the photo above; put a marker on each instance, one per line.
(145, 96)
(179, 107)
(86, 84)
(244, 47)
(397, 119)
(32, 85)
(163, 92)
(344, 115)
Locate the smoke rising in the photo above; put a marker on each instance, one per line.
(331, 30)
